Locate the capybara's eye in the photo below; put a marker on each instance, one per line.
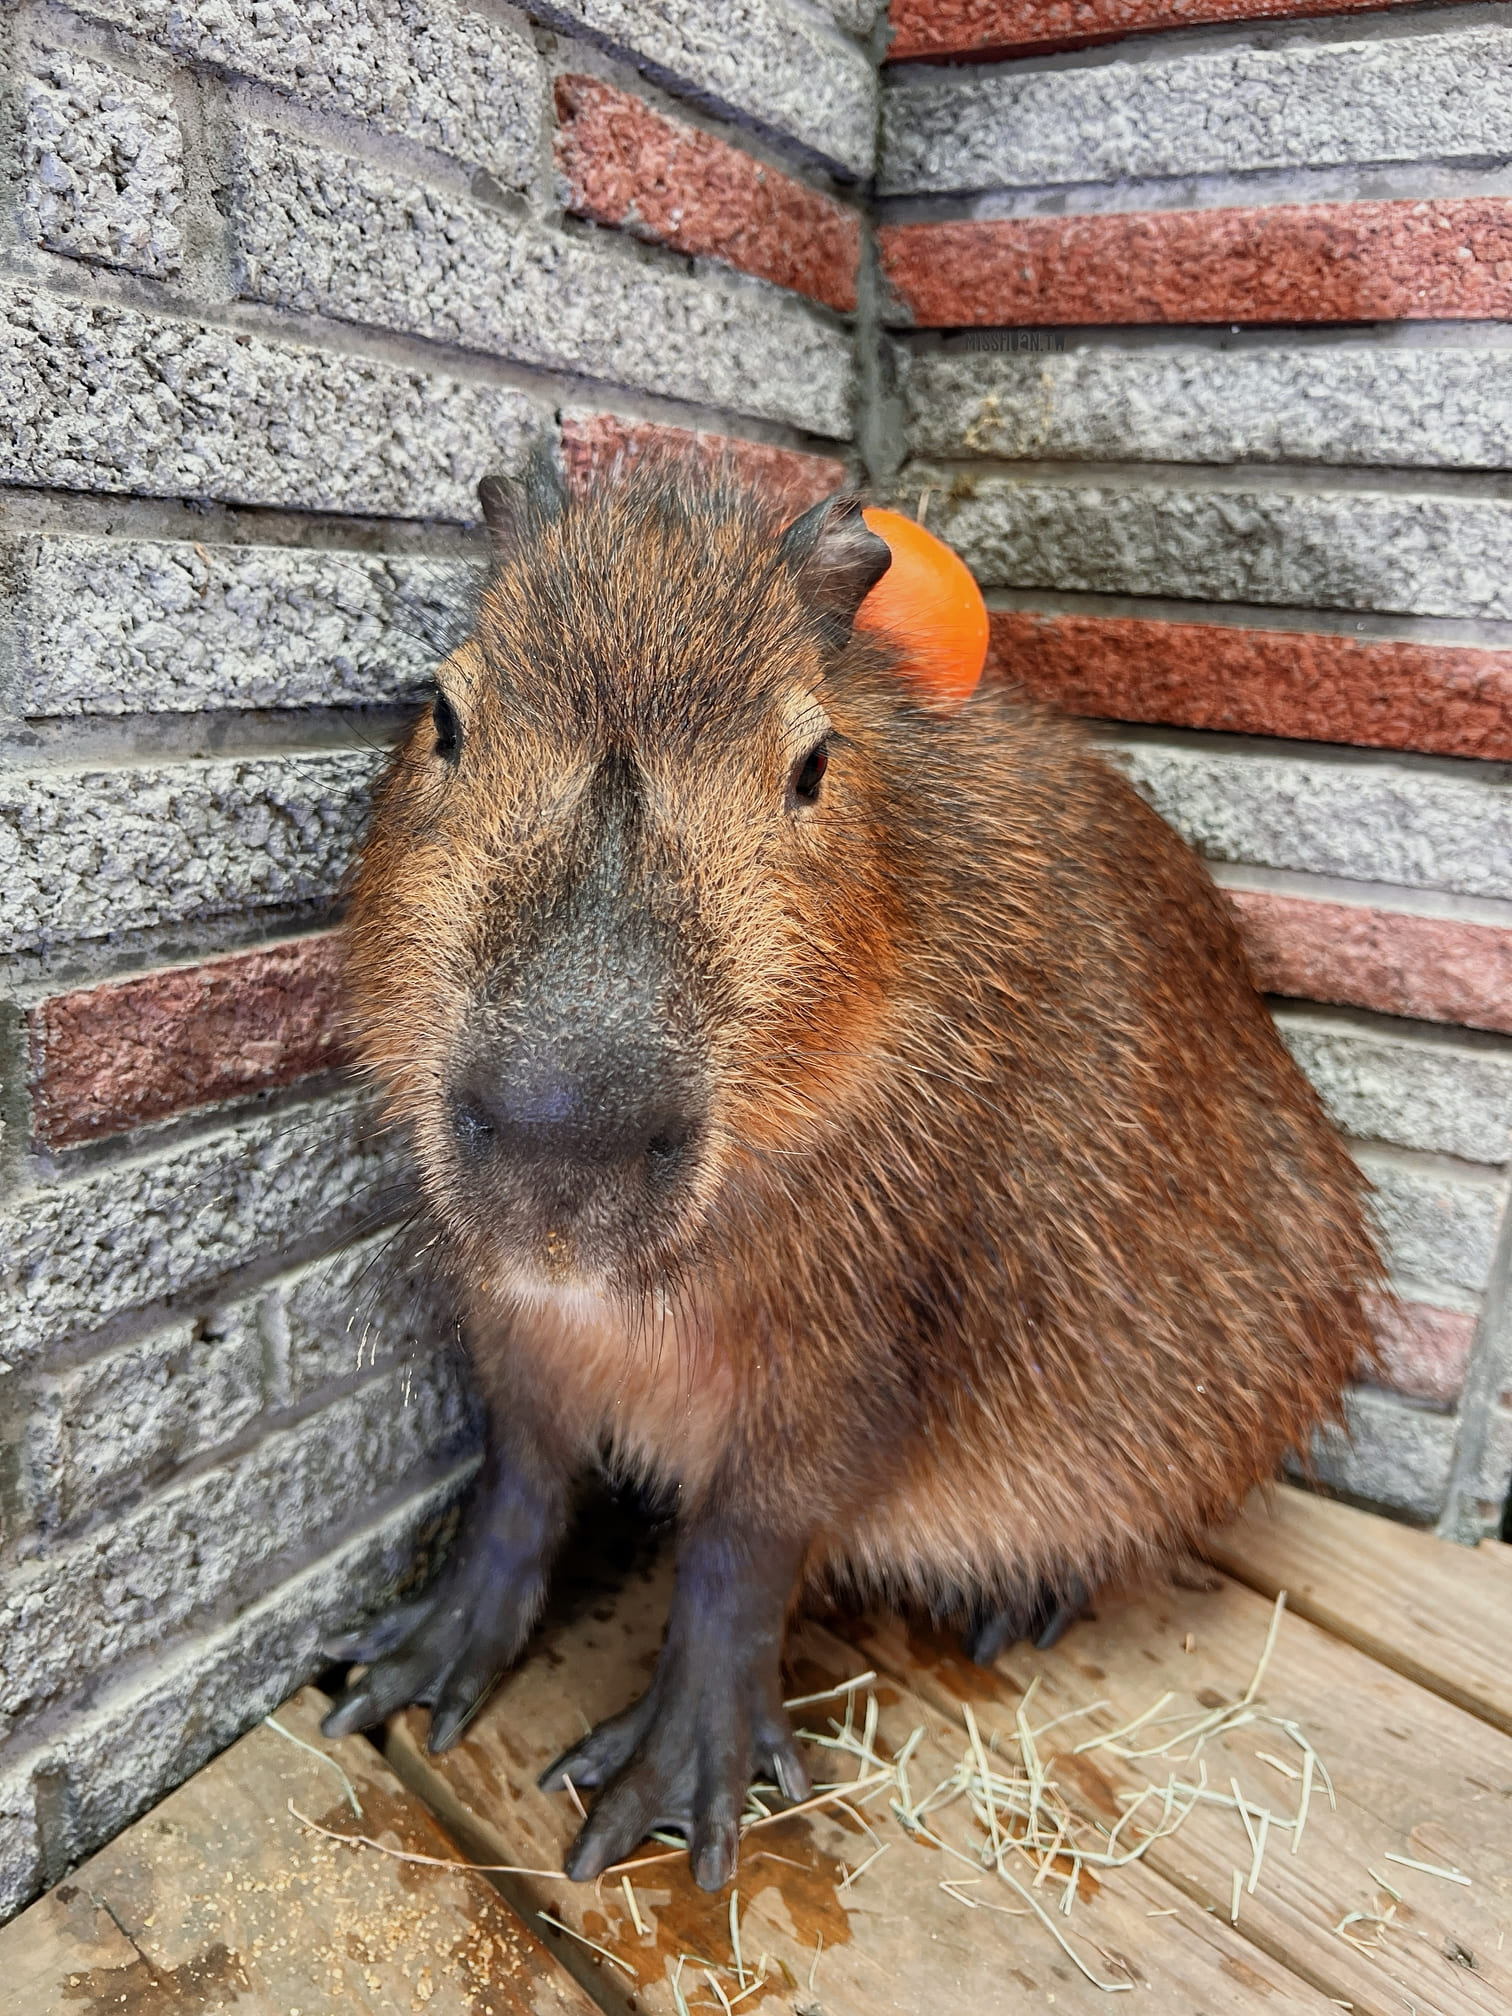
(809, 775)
(448, 729)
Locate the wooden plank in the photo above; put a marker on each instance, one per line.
(1438, 1613)
(1414, 1776)
(219, 1899)
(891, 1941)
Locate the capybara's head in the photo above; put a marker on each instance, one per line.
(627, 928)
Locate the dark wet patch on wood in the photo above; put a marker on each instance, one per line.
(213, 1979)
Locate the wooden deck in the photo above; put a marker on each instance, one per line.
(1389, 1676)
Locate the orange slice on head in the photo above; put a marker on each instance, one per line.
(930, 607)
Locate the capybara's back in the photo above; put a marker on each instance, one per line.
(851, 1114)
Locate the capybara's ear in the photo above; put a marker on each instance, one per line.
(836, 558)
(516, 511)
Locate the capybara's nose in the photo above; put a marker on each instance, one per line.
(615, 1113)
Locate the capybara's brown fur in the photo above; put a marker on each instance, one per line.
(1007, 1247)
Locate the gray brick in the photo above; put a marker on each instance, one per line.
(459, 81)
(76, 1255)
(1429, 827)
(325, 234)
(1437, 1224)
(1445, 1097)
(1340, 404)
(20, 1851)
(1395, 1455)
(87, 852)
(127, 1419)
(118, 626)
(104, 164)
(856, 17)
(147, 1732)
(100, 398)
(367, 1305)
(205, 1543)
(1431, 97)
(1410, 554)
(757, 60)
(1483, 1488)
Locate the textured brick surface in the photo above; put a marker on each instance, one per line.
(1480, 1496)
(1395, 1454)
(211, 1539)
(21, 1867)
(1454, 699)
(1387, 1085)
(96, 397)
(323, 233)
(1402, 552)
(376, 1301)
(78, 1254)
(84, 853)
(108, 1058)
(1368, 821)
(457, 80)
(1425, 1350)
(150, 1730)
(1438, 1224)
(1432, 969)
(128, 1419)
(1335, 403)
(595, 443)
(761, 62)
(104, 164)
(1321, 262)
(930, 30)
(857, 17)
(1437, 96)
(674, 184)
(126, 626)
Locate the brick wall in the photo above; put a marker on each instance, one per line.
(278, 287)
(1201, 351)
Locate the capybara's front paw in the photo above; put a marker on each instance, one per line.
(684, 1757)
(446, 1651)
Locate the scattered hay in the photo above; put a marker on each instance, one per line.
(1028, 1838)
(1032, 1840)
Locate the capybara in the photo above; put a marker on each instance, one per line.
(850, 1115)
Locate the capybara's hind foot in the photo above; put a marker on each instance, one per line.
(1042, 1617)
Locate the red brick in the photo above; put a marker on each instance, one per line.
(1450, 699)
(1424, 1350)
(594, 443)
(108, 1058)
(1432, 969)
(628, 166)
(984, 30)
(1286, 262)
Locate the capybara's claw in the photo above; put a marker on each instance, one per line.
(370, 1643)
(1040, 1617)
(608, 1749)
